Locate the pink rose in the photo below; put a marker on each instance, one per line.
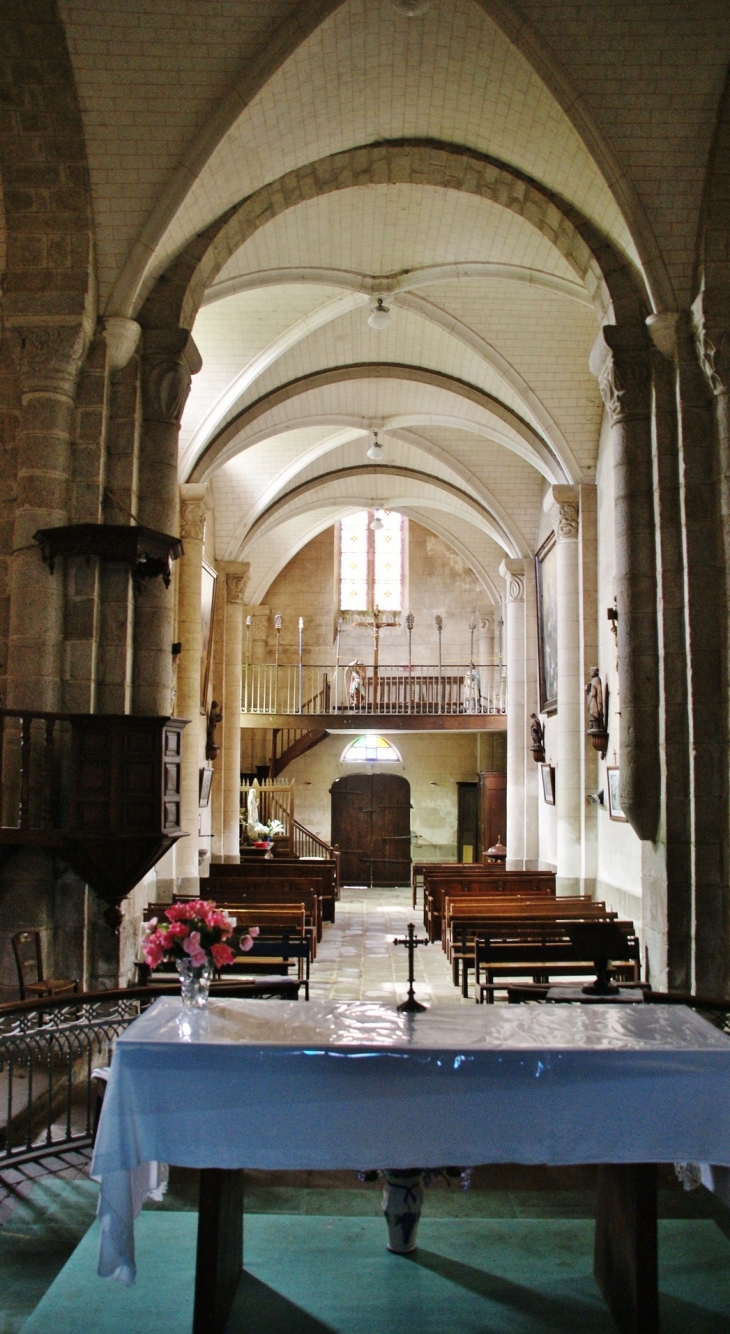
(253, 930)
(222, 955)
(192, 947)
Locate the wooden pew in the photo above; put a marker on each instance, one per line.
(422, 871)
(466, 916)
(322, 873)
(528, 884)
(269, 890)
(543, 957)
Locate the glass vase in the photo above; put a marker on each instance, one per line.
(194, 984)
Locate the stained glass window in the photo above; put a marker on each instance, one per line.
(388, 563)
(370, 750)
(371, 562)
(354, 562)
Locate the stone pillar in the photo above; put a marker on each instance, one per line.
(709, 733)
(621, 361)
(513, 573)
(192, 531)
(49, 358)
(169, 360)
(561, 503)
(236, 577)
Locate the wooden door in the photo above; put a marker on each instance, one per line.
(371, 824)
(492, 810)
(466, 828)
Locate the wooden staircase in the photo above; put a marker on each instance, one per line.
(288, 743)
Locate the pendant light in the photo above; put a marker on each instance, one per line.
(380, 316)
(376, 451)
(377, 523)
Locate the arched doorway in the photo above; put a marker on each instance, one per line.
(371, 824)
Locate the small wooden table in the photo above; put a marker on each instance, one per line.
(282, 1085)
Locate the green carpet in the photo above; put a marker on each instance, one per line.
(315, 1275)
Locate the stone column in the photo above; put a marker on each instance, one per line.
(49, 358)
(192, 531)
(561, 503)
(522, 831)
(169, 360)
(236, 577)
(709, 733)
(621, 361)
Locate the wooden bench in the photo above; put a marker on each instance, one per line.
(267, 890)
(423, 871)
(522, 884)
(322, 873)
(542, 956)
(468, 919)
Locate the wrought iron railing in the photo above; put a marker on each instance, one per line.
(315, 690)
(48, 1049)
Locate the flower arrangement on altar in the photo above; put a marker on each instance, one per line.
(196, 932)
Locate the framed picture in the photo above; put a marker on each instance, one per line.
(547, 774)
(614, 794)
(546, 582)
(209, 578)
(206, 781)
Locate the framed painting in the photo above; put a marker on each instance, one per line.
(206, 781)
(547, 774)
(546, 582)
(208, 582)
(614, 794)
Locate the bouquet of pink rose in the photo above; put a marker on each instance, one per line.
(196, 930)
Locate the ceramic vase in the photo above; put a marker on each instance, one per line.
(402, 1203)
(194, 985)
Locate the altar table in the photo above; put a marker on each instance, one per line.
(328, 1085)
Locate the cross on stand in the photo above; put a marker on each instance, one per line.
(411, 1005)
(377, 622)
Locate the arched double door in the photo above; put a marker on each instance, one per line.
(371, 824)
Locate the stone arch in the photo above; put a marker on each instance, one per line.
(274, 566)
(475, 487)
(128, 294)
(216, 451)
(492, 523)
(608, 277)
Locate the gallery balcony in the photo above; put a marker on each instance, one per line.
(409, 697)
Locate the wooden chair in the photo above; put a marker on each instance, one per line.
(29, 963)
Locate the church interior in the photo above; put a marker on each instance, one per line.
(365, 564)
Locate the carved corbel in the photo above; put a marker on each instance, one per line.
(513, 573)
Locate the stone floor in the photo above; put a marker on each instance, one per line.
(357, 959)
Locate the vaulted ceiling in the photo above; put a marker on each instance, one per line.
(461, 216)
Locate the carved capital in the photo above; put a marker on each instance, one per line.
(236, 588)
(712, 338)
(621, 363)
(513, 573)
(561, 503)
(192, 519)
(49, 356)
(169, 362)
(193, 511)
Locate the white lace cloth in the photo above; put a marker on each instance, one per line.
(282, 1084)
